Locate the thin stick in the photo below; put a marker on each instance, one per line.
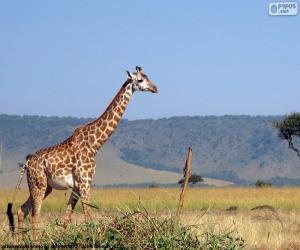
(186, 180)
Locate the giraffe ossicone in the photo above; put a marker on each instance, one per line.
(71, 164)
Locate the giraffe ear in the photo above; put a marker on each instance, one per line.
(138, 69)
(129, 75)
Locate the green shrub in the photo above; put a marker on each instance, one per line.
(261, 183)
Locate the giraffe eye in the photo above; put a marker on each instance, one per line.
(140, 81)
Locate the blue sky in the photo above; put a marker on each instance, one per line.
(68, 58)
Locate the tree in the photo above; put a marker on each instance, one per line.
(261, 183)
(192, 179)
(288, 129)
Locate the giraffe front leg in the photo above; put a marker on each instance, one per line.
(84, 176)
(84, 192)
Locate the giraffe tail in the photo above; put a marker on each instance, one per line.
(9, 212)
(10, 216)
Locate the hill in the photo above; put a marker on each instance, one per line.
(241, 149)
(113, 171)
(235, 148)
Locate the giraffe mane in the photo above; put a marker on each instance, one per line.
(28, 157)
(126, 83)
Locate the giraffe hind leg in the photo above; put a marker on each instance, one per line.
(23, 212)
(38, 195)
(26, 207)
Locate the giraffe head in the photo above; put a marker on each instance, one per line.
(140, 81)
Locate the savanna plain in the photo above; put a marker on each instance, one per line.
(249, 217)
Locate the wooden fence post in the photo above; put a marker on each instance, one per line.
(186, 180)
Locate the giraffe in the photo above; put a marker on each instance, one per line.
(71, 164)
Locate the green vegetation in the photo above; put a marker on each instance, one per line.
(128, 230)
(192, 179)
(233, 148)
(30, 133)
(288, 129)
(218, 218)
(261, 183)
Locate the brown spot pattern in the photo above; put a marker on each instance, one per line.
(75, 155)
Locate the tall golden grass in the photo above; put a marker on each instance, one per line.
(164, 199)
(219, 209)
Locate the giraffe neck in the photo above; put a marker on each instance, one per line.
(98, 131)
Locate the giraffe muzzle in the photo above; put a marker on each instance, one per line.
(153, 89)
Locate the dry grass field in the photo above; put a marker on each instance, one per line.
(266, 218)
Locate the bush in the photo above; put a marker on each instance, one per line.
(261, 183)
(192, 179)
